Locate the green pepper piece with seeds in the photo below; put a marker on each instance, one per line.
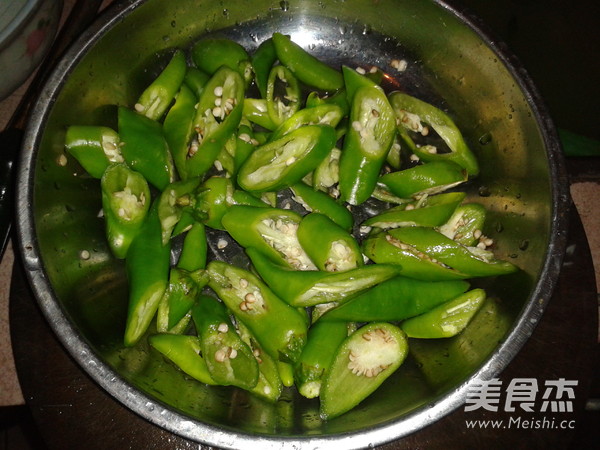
(466, 224)
(283, 94)
(365, 359)
(178, 128)
(94, 147)
(173, 200)
(156, 98)
(278, 327)
(319, 202)
(125, 203)
(229, 359)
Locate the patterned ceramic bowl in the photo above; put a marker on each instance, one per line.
(27, 28)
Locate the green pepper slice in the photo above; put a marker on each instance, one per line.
(319, 202)
(323, 340)
(447, 319)
(411, 111)
(285, 161)
(339, 99)
(94, 147)
(147, 265)
(218, 116)
(366, 145)
(396, 299)
(178, 128)
(466, 224)
(278, 327)
(195, 80)
(184, 351)
(125, 203)
(263, 59)
(430, 178)
(310, 287)
(144, 147)
(195, 248)
(353, 81)
(318, 115)
(255, 110)
(429, 211)
(327, 174)
(331, 247)
(229, 359)
(173, 200)
(364, 360)
(308, 69)
(283, 94)
(272, 231)
(156, 98)
(210, 54)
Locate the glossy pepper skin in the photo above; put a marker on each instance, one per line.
(447, 319)
(173, 200)
(319, 202)
(324, 338)
(229, 359)
(255, 110)
(144, 147)
(429, 178)
(178, 128)
(279, 328)
(271, 231)
(331, 247)
(285, 161)
(210, 54)
(283, 94)
(125, 203)
(195, 80)
(362, 362)
(396, 299)
(156, 98)
(195, 248)
(366, 145)
(429, 211)
(147, 266)
(411, 111)
(263, 59)
(94, 147)
(311, 287)
(318, 115)
(308, 69)
(353, 81)
(184, 351)
(215, 124)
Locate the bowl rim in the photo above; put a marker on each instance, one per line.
(155, 411)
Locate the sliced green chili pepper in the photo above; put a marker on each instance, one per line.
(364, 360)
(147, 265)
(176, 197)
(279, 328)
(319, 202)
(339, 99)
(184, 351)
(244, 146)
(211, 54)
(178, 128)
(283, 94)
(429, 211)
(156, 98)
(383, 248)
(125, 203)
(396, 299)
(144, 147)
(302, 288)
(323, 340)
(94, 147)
(229, 359)
(327, 173)
(185, 223)
(318, 115)
(195, 80)
(214, 198)
(285, 161)
(466, 224)
(306, 67)
(269, 230)
(286, 373)
(412, 111)
(394, 156)
(262, 60)
(194, 250)
(447, 319)
(429, 178)
(217, 117)
(366, 145)
(255, 110)
(331, 247)
(174, 308)
(269, 386)
(353, 81)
